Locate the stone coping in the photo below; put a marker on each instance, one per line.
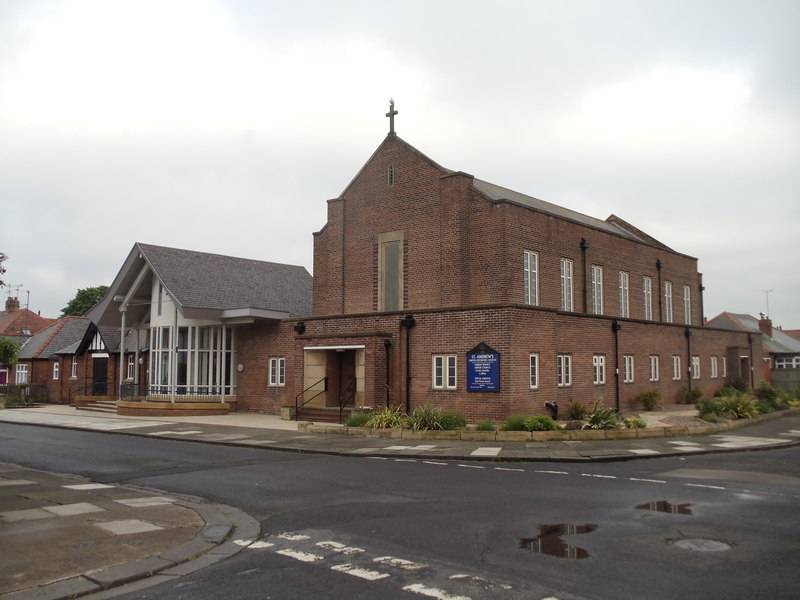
(469, 435)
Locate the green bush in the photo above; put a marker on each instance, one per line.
(739, 406)
(485, 426)
(359, 418)
(601, 417)
(576, 412)
(689, 396)
(453, 420)
(649, 399)
(515, 423)
(426, 418)
(635, 423)
(387, 419)
(540, 423)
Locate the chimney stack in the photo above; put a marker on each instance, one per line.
(765, 325)
(12, 304)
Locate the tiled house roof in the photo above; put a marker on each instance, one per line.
(48, 342)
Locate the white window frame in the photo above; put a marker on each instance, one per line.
(534, 371)
(668, 301)
(130, 372)
(654, 374)
(695, 367)
(21, 377)
(277, 371)
(597, 289)
(74, 371)
(599, 369)
(628, 368)
(624, 295)
(714, 367)
(55, 370)
(563, 370)
(530, 261)
(724, 367)
(676, 367)
(566, 285)
(687, 305)
(445, 373)
(647, 290)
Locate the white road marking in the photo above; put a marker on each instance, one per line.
(433, 462)
(301, 556)
(253, 544)
(418, 588)
(486, 451)
(598, 476)
(88, 486)
(471, 467)
(682, 443)
(293, 537)
(149, 501)
(507, 469)
(405, 460)
(700, 485)
(648, 480)
(362, 573)
(553, 472)
(341, 548)
(400, 563)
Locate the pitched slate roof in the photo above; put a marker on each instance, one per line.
(779, 343)
(50, 341)
(14, 322)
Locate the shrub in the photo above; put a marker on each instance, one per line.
(575, 411)
(601, 417)
(359, 418)
(485, 426)
(708, 410)
(387, 418)
(689, 396)
(426, 417)
(540, 423)
(635, 423)
(769, 399)
(453, 420)
(739, 406)
(515, 423)
(649, 399)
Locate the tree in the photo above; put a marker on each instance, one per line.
(84, 300)
(8, 352)
(3, 257)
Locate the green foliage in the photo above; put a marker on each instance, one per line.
(739, 406)
(765, 391)
(601, 417)
(689, 396)
(426, 417)
(485, 426)
(540, 423)
(84, 299)
(707, 409)
(453, 420)
(8, 352)
(649, 399)
(359, 418)
(3, 257)
(635, 423)
(387, 418)
(576, 411)
(515, 423)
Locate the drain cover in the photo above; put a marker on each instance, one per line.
(702, 545)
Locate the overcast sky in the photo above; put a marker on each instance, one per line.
(224, 126)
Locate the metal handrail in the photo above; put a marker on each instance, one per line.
(348, 395)
(298, 405)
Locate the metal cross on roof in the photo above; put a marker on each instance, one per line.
(392, 112)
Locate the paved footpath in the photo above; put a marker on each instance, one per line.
(154, 538)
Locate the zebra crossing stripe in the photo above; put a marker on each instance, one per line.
(358, 572)
(301, 556)
(418, 588)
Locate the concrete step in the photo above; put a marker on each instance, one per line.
(323, 414)
(104, 406)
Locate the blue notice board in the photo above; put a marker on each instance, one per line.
(483, 369)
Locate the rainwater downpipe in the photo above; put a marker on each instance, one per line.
(615, 327)
(660, 291)
(408, 322)
(122, 350)
(584, 246)
(752, 368)
(688, 333)
(387, 345)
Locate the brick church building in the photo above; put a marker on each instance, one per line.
(434, 287)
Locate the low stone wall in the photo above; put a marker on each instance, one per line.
(176, 409)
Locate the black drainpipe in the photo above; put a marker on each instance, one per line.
(752, 366)
(408, 322)
(615, 327)
(688, 333)
(387, 345)
(660, 291)
(584, 246)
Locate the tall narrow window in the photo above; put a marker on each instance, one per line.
(695, 367)
(624, 296)
(725, 367)
(676, 367)
(566, 284)
(390, 176)
(598, 369)
(687, 305)
(160, 301)
(668, 301)
(647, 289)
(597, 289)
(531, 275)
(534, 371)
(714, 368)
(444, 372)
(55, 370)
(563, 370)
(653, 367)
(131, 367)
(22, 374)
(390, 256)
(74, 372)
(277, 371)
(627, 368)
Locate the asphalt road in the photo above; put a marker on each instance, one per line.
(348, 527)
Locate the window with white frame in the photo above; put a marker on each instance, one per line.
(687, 305)
(624, 295)
(695, 367)
(653, 367)
(444, 372)
(22, 374)
(647, 289)
(724, 367)
(714, 368)
(130, 371)
(563, 370)
(599, 369)
(277, 371)
(566, 284)
(530, 262)
(668, 301)
(597, 289)
(534, 371)
(787, 362)
(74, 371)
(55, 370)
(676, 367)
(627, 368)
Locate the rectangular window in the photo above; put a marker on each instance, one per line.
(444, 372)
(566, 284)
(714, 368)
(534, 371)
(627, 368)
(647, 287)
(695, 367)
(74, 372)
(22, 374)
(55, 370)
(676, 367)
(390, 276)
(598, 369)
(531, 268)
(277, 371)
(724, 367)
(653, 367)
(687, 305)
(563, 370)
(131, 370)
(597, 290)
(668, 301)
(624, 295)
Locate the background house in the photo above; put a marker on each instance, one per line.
(18, 324)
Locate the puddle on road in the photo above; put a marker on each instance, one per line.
(666, 507)
(549, 540)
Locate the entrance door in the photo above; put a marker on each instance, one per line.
(100, 377)
(341, 372)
